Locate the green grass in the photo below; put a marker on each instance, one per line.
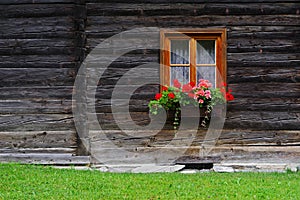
(38, 182)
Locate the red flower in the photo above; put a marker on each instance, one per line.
(176, 83)
(229, 97)
(187, 88)
(164, 88)
(158, 96)
(171, 95)
(224, 84)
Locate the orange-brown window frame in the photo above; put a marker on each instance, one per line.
(217, 34)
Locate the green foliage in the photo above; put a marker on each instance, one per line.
(40, 182)
(203, 96)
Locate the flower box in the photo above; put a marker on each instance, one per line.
(188, 96)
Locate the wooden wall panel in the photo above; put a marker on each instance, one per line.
(41, 46)
(262, 61)
(43, 42)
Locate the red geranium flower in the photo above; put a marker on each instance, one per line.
(164, 88)
(171, 95)
(176, 83)
(158, 96)
(187, 88)
(229, 97)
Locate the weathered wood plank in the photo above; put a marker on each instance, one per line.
(241, 32)
(25, 77)
(45, 158)
(193, 9)
(267, 155)
(266, 90)
(191, 1)
(204, 20)
(254, 137)
(157, 138)
(36, 1)
(35, 106)
(36, 46)
(265, 104)
(243, 45)
(33, 122)
(39, 93)
(36, 10)
(268, 74)
(262, 120)
(38, 139)
(38, 150)
(38, 61)
(242, 154)
(15, 27)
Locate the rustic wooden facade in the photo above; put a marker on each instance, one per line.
(43, 43)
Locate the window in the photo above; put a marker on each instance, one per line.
(190, 55)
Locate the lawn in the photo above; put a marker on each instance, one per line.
(39, 182)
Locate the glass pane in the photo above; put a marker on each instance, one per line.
(182, 74)
(206, 52)
(208, 73)
(180, 52)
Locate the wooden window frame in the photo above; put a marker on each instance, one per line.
(217, 34)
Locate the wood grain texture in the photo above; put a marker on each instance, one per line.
(45, 158)
(192, 9)
(43, 43)
(38, 139)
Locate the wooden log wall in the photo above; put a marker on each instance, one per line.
(43, 42)
(263, 63)
(41, 48)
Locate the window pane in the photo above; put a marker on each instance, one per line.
(180, 52)
(182, 74)
(206, 52)
(208, 73)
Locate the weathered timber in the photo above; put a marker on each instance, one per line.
(261, 120)
(43, 43)
(31, 61)
(24, 77)
(35, 106)
(36, 10)
(45, 158)
(13, 2)
(41, 48)
(193, 9)
(19, 26)
(191, 1)
(204, 20)
(33, 122)
(259, 75)
(265, 90)
(38, 139)
(40, 93)
(264, 155)
(11, 150)
(230, 138)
